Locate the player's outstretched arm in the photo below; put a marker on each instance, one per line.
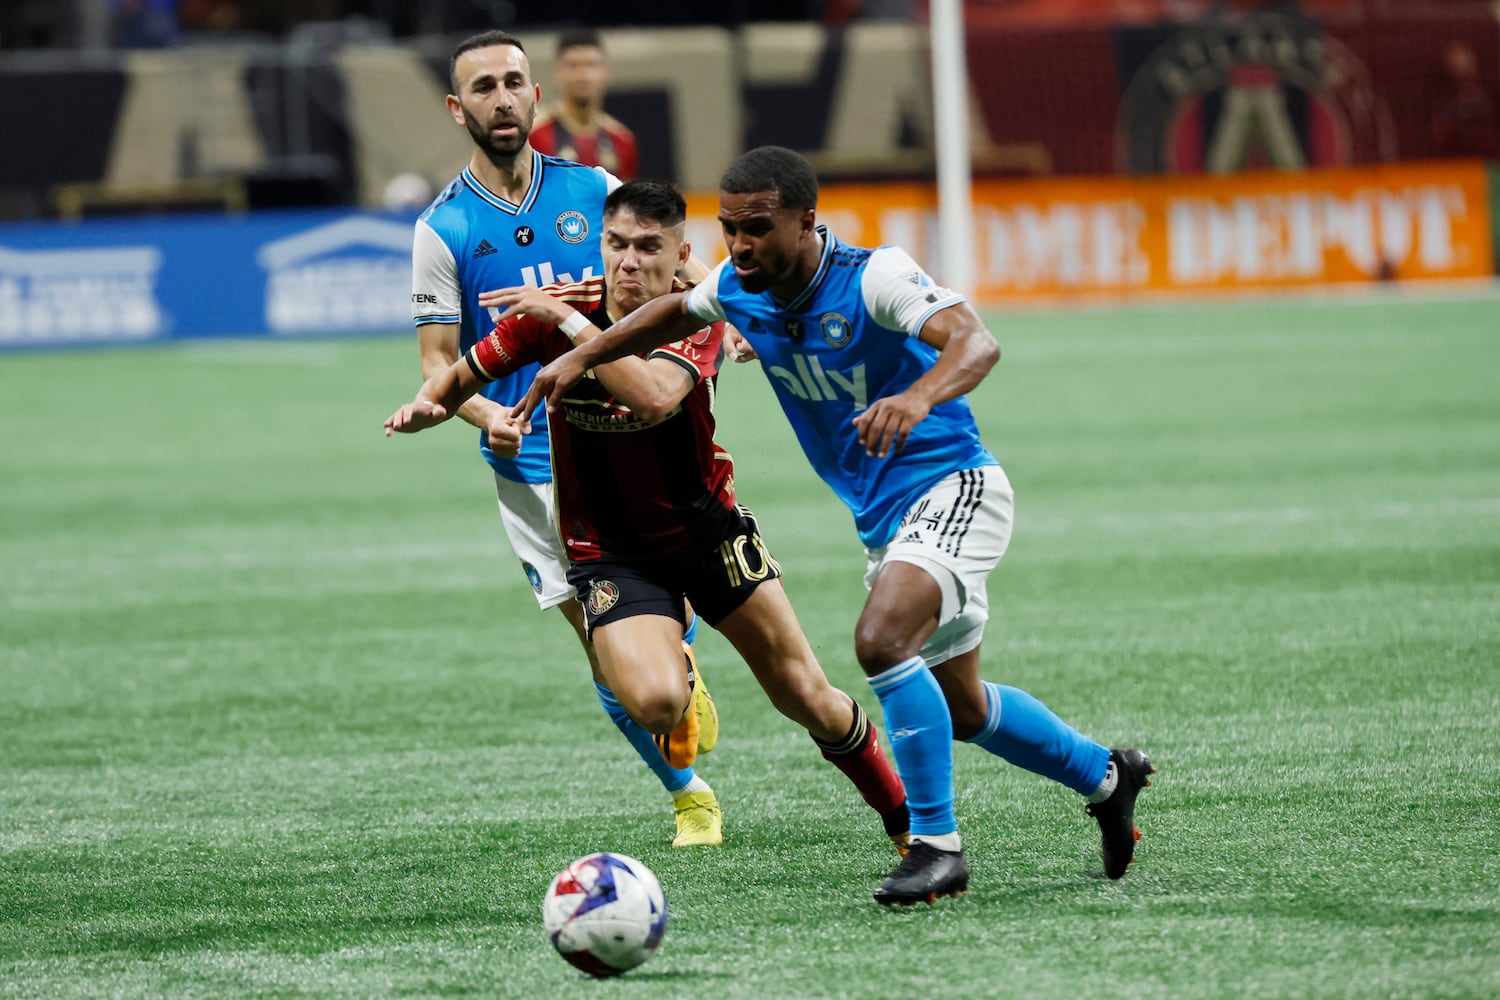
(966, 353)
(660, 321)
(650, 390)
(438, 399)
(438, 344)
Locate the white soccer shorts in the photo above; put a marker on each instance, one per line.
(526, 510)
(957, 533)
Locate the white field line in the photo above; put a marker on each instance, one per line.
(1313, 296)
(268, 556)
(496, 562)
(1021, 344)
(1170, 521)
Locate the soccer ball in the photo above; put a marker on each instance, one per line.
(605, 913)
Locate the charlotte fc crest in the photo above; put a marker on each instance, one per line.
(836, 329)
(1267, 89)
(572, 227)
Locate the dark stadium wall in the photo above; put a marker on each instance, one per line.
(44, 149)
(1212, 96)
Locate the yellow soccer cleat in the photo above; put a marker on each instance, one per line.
(703, 706)
(699, 821)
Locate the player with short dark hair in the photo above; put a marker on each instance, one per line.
(870, 360)
(646, 499)
(516, 217)
(577, 127)
(483, 40)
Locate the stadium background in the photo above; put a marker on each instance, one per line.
(1119, 149)
(277, 717)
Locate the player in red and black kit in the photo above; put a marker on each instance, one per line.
(577, 127)
(682, 482)
(646, 501)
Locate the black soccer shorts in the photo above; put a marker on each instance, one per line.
(717, 579)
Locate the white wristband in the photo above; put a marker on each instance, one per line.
(573, 325)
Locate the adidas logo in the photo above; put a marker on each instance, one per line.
(484, 249)
(914, 537)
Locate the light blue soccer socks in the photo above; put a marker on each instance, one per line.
(1026, 733)
(920, 731)
(672, 779)
(691, 632)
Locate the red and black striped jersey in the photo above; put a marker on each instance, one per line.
(625, 488)
(609, 145)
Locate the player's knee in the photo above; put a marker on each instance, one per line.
(658, 712)
(878, 648)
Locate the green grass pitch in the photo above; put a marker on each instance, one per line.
(278, 716)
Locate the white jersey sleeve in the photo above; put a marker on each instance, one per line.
(610, 181)
(899, 294)
(703, 298)
(435, 295)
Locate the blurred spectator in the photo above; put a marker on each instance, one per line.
(407, 193)
(837, 13)
(143, 24)
(576, 127)
(217, 16)
(1464, 120)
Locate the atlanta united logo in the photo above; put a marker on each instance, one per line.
(602, 597)
(572, 227)
(1263, 90)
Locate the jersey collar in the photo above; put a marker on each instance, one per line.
(818, 276)
(498, 202)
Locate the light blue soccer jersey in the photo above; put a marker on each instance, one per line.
(848, 339)
(470, 240)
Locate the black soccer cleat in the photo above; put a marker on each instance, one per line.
(923, 875)
(1116, 814)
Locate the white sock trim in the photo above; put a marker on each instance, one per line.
(696, 785)
(942, 841)
(1107, 786)
(894, 675)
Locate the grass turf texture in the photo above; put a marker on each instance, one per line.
(279, 715)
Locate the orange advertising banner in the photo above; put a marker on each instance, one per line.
(1121, 237)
